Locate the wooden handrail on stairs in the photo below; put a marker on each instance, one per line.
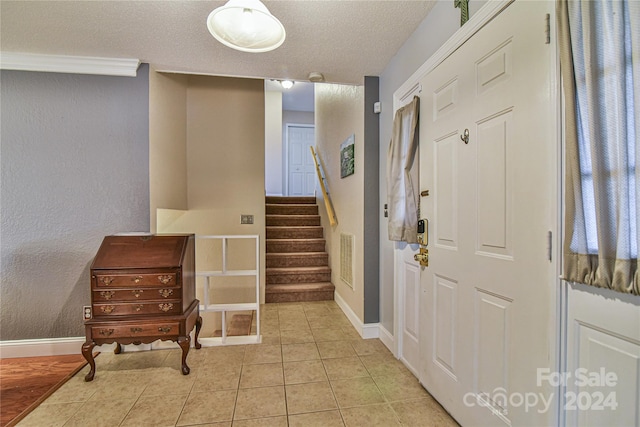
(323, 185)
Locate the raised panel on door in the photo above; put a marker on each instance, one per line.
(494, 182)
(445, 165)
(411, 315)
(608, 371)
(445, 324)
(491, 350)
(603, 358)
(494, 68)
(296, 183)
(310, 183)
(445, 99)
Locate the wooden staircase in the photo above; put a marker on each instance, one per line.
(297, 265)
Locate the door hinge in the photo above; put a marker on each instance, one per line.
(549, 245)
(547, 29)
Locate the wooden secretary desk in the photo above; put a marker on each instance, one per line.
(143, 290)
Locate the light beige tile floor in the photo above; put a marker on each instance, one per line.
(312, 369)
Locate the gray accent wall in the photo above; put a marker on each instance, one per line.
(74, 159)
(371, 201)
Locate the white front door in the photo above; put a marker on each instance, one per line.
(487, 294)
(301, 180)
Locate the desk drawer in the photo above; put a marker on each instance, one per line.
(137, 308)
(138, 294)
(135, 280)
(158, 329)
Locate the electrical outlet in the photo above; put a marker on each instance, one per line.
(86, 312)
(246, 219)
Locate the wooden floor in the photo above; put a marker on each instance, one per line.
(239, 325)
(27, 381)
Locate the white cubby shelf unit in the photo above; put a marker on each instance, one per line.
(208, 306)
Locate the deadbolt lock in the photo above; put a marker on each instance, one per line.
(422, 257)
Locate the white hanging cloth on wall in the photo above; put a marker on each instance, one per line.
(402, 174)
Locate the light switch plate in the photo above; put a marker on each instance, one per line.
(246, 219)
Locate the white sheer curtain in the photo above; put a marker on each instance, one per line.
(402, 175)
(600, 60)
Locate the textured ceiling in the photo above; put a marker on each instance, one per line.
(345, 40)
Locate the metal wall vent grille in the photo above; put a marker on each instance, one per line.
(346, 258)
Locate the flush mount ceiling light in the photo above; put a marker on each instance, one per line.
(286, 84)
(246, 25)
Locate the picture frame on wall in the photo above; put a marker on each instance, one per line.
(347, 158)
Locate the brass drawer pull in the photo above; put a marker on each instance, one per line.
(137, 292)
(108, 309)
(107, 294)
(105, 332)
(165, 307)
(136, 330)
(165, 279)
(165, 293)
(137, 279)
(106, 280)
(139, 307)
(164, 329)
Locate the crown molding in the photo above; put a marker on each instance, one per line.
(68, 64)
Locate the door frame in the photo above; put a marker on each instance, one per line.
(557, 323)
(286, 150)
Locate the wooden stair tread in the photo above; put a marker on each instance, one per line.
(281, 270)
(304, 227)
(310, 239)
(288, 287)
(293, 254)
(289, 216)
(290, 200)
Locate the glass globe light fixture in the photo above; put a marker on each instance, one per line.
(246, 25)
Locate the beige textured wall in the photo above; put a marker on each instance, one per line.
(225, 172)
(167, 143)
(225, 149)
(339, 113)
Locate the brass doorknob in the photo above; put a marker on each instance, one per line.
(422, 257)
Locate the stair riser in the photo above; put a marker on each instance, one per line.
(290, 200)
(294, 233)
(299, 296)
(291, 209)
(278, 278)
(319, 260)
(293, 220)
(275, 246)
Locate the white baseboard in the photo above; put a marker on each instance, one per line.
(41, 347)
(366, 330)
(387, 339)
(73, 345)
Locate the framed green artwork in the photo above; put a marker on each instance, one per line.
(347, 166)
